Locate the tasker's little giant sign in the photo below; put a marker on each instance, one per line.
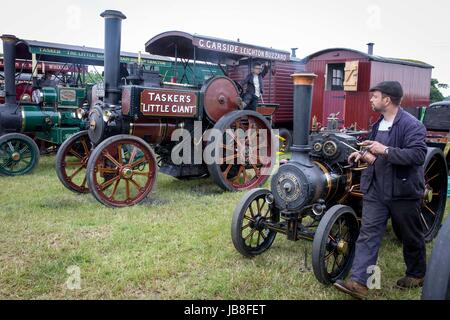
(167, 103)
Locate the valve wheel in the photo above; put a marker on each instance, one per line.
(122, 171)
(71, 162)
(19, 154)
(334, 244)
(249, 233)
(239, 166)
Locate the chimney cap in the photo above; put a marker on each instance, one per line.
(113, 14)
(6, 37)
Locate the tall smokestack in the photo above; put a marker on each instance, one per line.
(303, 90)
(370, 48)
(294, 52)
(9, 59)
(113, 30)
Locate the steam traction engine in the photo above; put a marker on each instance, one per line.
(129, 133)
(46, 112)
(316, 196)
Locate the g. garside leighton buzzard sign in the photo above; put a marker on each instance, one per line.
(240, 49)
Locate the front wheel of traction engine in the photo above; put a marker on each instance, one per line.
(334, 244)
(249, 233)
(19, 154)
(122, 171)
(71, 162)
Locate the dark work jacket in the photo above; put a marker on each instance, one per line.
(403, 176)
(248, 81)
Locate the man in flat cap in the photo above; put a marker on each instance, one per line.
(393, 186)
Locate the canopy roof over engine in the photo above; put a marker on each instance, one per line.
(183, 45)
(64, 53)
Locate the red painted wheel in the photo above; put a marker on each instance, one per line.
(71, 162)
(122, 171)
(245, 160)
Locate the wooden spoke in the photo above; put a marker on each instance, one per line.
(144, 174)
(103, 170)
(119, 151)
(432, 178)
(127, 187)
(133, 154)
(432, 164)
(85, 147)
(111, 158)
(75, 173)
(83, 184)
(72, 164)
(76, 154)
(227, 171)
(108, 183)
(424, 221)
(136, 184)
(429, 209)
(138, 162)
(116, 185)
(230, 158)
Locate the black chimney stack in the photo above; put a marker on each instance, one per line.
(113, 30)
(9, 59)
(294, 52)
(370, 48)
(303, 90)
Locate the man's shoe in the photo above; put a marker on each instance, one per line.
(353, 288)
(410, 283)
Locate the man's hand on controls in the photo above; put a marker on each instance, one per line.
(364, 156)
(374, 147)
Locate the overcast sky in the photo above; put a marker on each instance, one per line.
(403, 29)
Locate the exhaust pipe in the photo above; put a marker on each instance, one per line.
(113, 30)
(303, 90)
(9, 58)
(10, 114)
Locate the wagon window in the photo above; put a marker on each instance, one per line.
(335, 77)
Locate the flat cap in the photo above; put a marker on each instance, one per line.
(390, 88)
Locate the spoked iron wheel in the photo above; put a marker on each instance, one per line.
(245, 160)
(249, 233)
(122, 171)
(19, 154)
(437, 279)
(334, 244)
(435, 197)
(71, 162)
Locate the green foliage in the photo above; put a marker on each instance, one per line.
(435, 94)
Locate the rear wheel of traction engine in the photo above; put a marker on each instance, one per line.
(437, 278)
(240, 165)
(19, 154)
(435, 197)
(334, 244)
(248, 232)
(286, 143)
(122, 171)
(71, 162)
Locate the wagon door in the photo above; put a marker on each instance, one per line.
(334, 94)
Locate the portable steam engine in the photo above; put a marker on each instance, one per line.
(315, 196)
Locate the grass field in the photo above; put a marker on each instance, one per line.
(176, 245)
